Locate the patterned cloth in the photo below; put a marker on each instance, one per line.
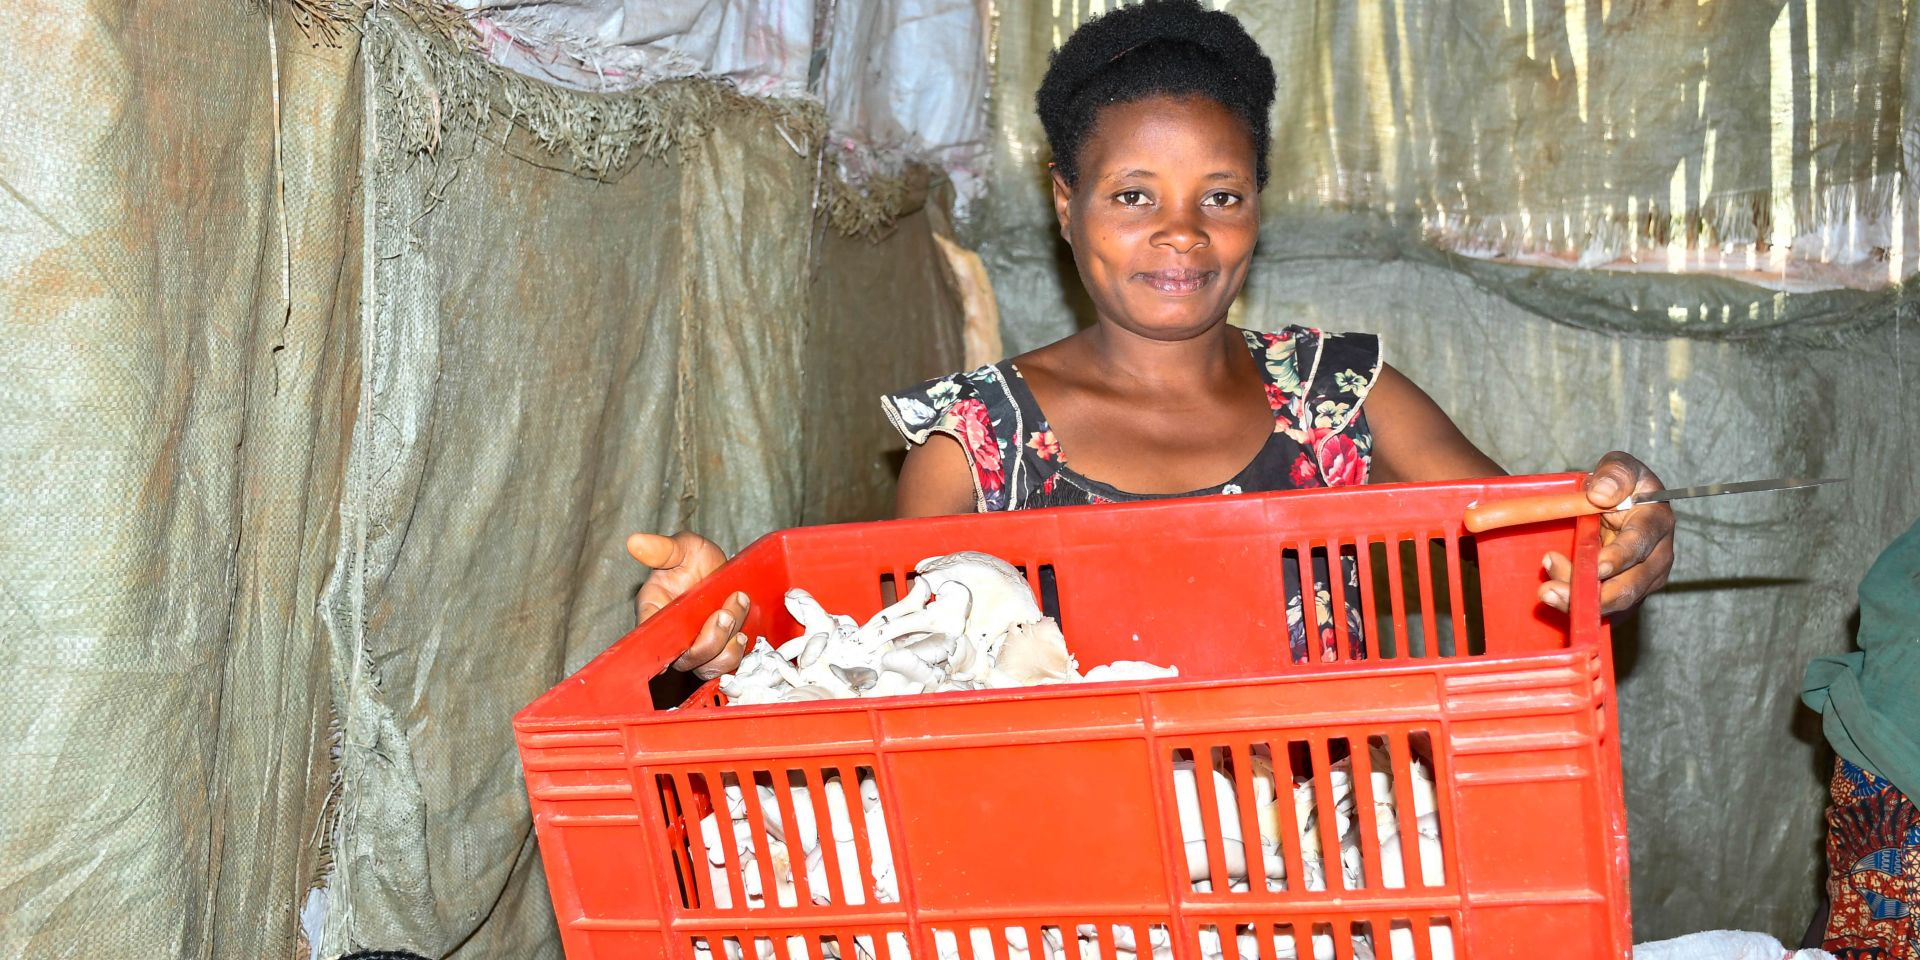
(1873, 863)
(1316, 383)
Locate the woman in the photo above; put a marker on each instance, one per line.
(1869, 701)
(1157, 118)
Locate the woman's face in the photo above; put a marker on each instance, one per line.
(1164, 218)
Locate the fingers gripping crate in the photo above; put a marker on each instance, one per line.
(1448, 748)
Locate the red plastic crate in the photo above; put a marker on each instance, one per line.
(1053, 807)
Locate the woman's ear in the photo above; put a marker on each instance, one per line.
(1063, 205)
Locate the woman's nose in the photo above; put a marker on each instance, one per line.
(1181, 232)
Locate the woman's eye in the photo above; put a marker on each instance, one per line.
(1131, 198)
(1221, 198)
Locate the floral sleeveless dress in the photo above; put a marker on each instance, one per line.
(1316, 385)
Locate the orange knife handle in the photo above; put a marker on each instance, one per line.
(1507, 513)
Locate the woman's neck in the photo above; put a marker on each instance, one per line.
(1209, 357)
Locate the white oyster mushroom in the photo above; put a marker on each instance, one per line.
(807, 612)
(1034, 653)
(811, 651)
(876, 630)
(810, 692)
(934, 650)
(1000, 595)
(1266, 812)
(758, 679)
(840, 654)
(907, 663)
(857, 679)
(891, 684)
(968, 661)
(945, 615)
(790, 675)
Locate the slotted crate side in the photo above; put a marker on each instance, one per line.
(1057, 791)
(1071, 825)
(856, 940)
(1614, 791)
(1266, 936)
(597, 843)
(1539, 803)
(813, 846)
(1528, 793)
(609, 907)
(1404, 851)
(1408, 934)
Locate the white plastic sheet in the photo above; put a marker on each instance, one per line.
(903, 80)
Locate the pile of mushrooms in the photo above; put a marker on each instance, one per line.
(968, 623)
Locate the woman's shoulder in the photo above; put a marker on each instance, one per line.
(1301, 359)
(926, 407)
(944, 404)
(918, 409)
(977, 410)
(1300, 340)
(1319, 379)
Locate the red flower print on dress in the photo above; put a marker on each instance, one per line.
(1276, 398)
(1044, 445)
(1341, 463)
(971, 421)
(1303, 472)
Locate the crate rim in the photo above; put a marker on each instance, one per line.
(1058, 691)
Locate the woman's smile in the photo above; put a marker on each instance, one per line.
(1177, 282)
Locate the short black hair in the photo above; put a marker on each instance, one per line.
(1154, 48)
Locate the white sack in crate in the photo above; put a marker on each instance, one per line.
(779, 846)
(1385, 817)
(851, 886)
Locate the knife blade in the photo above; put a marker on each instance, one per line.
(1721, 489)
(1482, 517)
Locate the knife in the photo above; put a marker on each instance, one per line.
(1559, 506)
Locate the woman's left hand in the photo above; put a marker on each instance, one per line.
(1636, 552)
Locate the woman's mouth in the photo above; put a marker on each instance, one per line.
(1176, 282)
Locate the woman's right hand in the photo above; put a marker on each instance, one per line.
(679, 562)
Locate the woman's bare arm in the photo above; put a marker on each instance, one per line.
(1414, 440)
(936, 480)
